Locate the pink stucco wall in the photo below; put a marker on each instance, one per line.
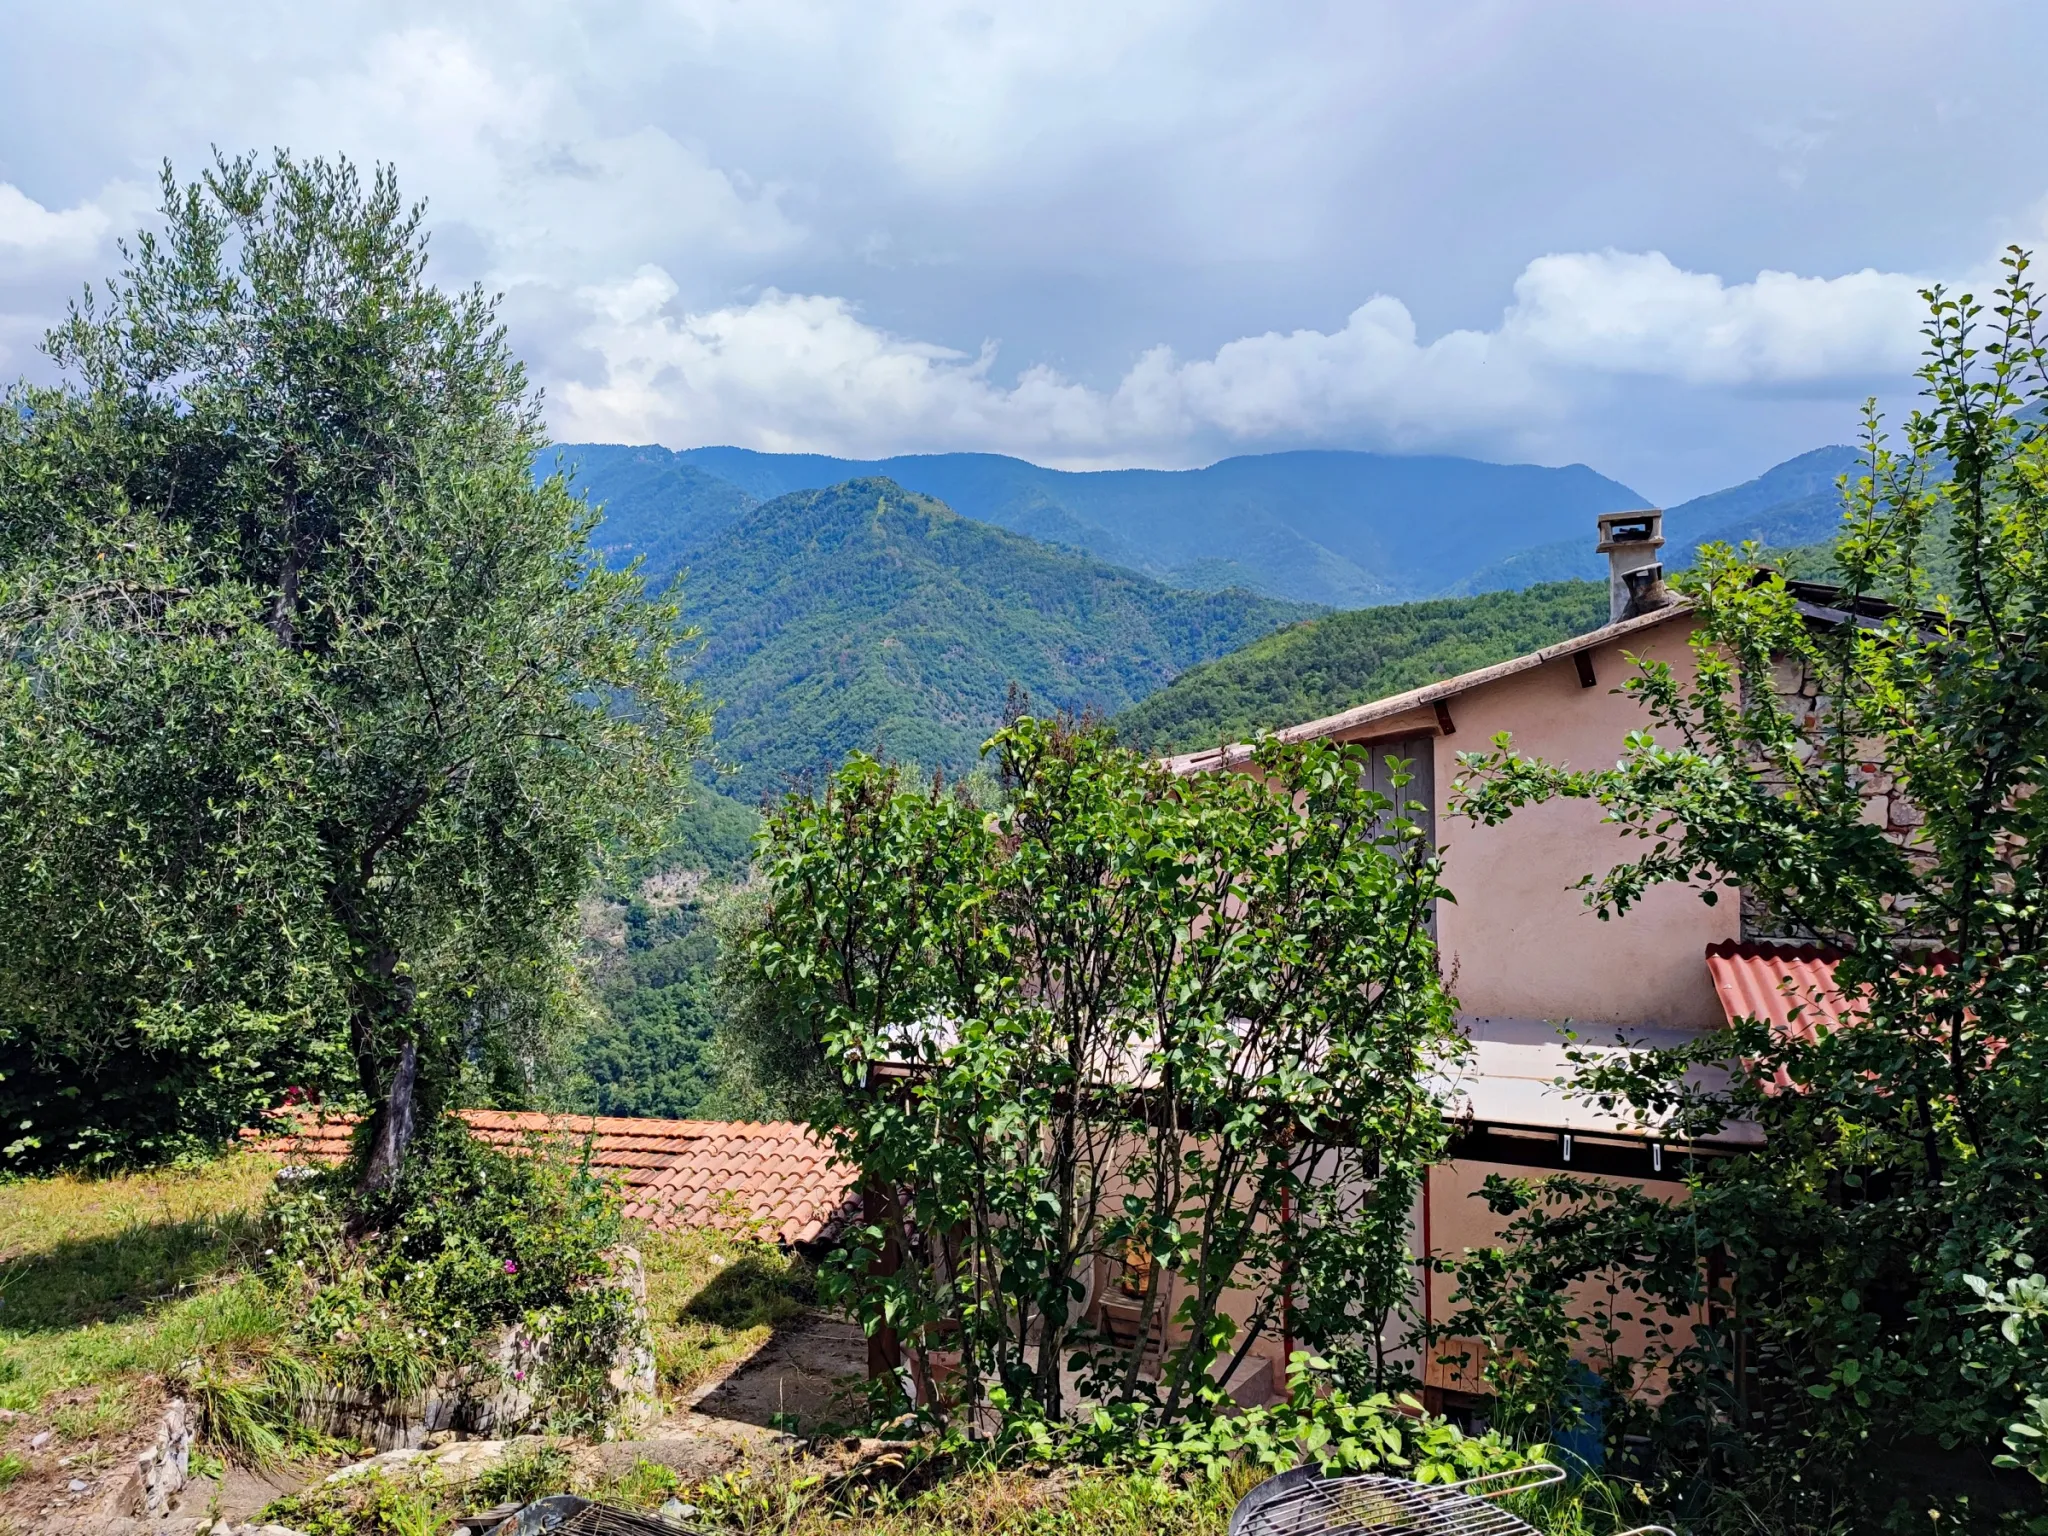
(1519, 942)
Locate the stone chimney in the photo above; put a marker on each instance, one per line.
(1635, 574)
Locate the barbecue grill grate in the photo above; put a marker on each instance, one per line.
(564, 1514)
(1300, 1503)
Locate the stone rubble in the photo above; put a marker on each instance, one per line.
(164, 1466)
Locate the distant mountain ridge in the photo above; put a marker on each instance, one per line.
(1790, 504)
(1338, 528)
(867, 616)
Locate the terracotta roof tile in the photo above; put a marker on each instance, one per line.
(773, 1177)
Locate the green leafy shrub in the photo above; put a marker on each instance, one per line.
(470, 1244)
(398, 1503)
(1119, 956)
(526, 1473)
(1337, 1433)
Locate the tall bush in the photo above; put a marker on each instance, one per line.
(1121, 1018)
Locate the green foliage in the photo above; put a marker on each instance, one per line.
(652, 943)
(649, 1050)
(715, 834)
(1190, 1016)
(867, 618)
(315, 706)
(469, 1243)
(1873, 1303)
(770, 1061)
(1324, 665)
(1585, 1271)
(399, 1502)
(526, 1473)
(1336, 1433)
(253, 1415)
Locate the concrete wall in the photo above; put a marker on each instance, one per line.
(1519, 941)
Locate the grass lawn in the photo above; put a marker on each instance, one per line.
(104, 1282)
(107, 1281)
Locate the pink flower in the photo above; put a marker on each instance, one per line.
(511, 1267)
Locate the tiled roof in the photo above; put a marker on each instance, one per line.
(773, 1177)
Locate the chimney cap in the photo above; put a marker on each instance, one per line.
(1643, 528)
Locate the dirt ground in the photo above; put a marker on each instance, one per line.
(804, 1380)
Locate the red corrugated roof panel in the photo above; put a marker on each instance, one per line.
(1790, 986)
(773, 1178)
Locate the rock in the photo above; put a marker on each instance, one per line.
(40, 1439)
(164, 1466)
(79, 1485)
(632, 1376)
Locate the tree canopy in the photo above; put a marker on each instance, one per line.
(1176, 1030)
(317, 706)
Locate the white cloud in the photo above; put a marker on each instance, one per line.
(523, 162)
(1620, 312)
(800, 371)
(830, 190)
(805, 372)
(31, 234)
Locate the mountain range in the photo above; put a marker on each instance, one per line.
(844, 607)
(1789, 505)
(1341, 529)
(867, 616)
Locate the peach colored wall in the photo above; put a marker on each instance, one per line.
(1460, 1223)
(1519, 941)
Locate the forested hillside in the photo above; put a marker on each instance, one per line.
(1323, 665)
(1328, 527)
(650, 949)
(866, 616)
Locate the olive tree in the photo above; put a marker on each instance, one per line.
(316, 702)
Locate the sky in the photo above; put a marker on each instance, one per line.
(1678, 241)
